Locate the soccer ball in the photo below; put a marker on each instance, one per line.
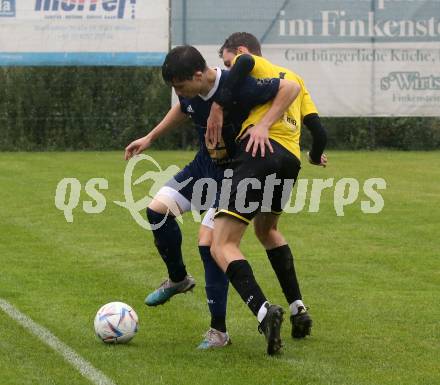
(116, 322)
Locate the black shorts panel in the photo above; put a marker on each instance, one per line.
(253, 189)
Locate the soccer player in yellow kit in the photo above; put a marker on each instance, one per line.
(284, 134)
(244, 49)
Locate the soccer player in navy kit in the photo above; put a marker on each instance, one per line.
(196, 85)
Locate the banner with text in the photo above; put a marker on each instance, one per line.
(357, 57)
(84, 32)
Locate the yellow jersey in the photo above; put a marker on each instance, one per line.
(287, 130)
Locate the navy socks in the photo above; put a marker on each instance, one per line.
(168, 240)
(216, 286)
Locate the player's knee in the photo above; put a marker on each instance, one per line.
(214, 250)
(218, 250)
(158, 207)
(165, 204)
(270, 237)
(205, 236)
(264, 231)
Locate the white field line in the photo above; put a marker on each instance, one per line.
(79, 363)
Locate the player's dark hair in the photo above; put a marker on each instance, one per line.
(244, 39)
(182, 63)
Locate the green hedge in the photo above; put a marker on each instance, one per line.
(103, 108)
(415, 133)
(78, 108)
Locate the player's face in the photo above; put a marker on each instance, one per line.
(187, 88)
(228, 58)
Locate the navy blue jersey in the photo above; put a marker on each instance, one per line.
(250, 93)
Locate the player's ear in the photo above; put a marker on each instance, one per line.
(242, 49)
(198, 75)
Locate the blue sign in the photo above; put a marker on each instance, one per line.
(82, 58)
(7, 8)
(94, 8)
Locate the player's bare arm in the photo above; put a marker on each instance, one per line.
(172, 119)
(259, 134)
(214, 125)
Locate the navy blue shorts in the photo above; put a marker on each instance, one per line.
(198, 183)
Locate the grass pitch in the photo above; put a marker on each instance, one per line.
(371, 281)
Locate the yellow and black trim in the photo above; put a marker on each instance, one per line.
(232, 214)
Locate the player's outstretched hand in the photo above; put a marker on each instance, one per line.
(258, 139)
(214, 125)
(323, 162)
(136, 147)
